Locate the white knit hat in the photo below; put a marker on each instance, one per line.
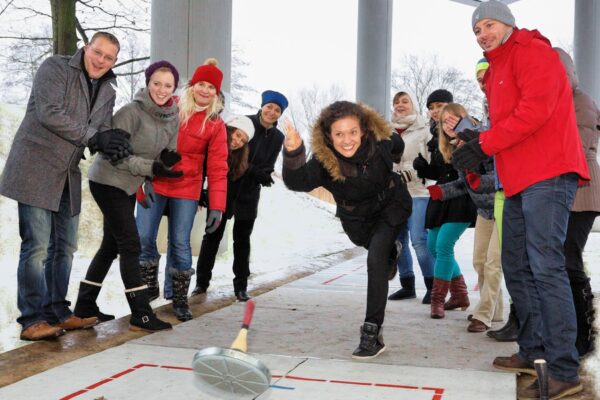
(241, 122)
(493, 9)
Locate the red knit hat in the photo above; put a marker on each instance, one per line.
(208, 73)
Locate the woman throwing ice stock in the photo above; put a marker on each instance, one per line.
(353, 150)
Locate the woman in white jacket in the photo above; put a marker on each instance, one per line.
(415, 132)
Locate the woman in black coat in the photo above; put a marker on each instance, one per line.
(353, 152)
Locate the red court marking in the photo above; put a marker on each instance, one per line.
(327, 282)
(438, 392)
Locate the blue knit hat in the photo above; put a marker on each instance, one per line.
(271, 96)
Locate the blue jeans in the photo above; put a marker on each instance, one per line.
(418, 237)
(534, 230)
(48, 241)
(441, 242)
(181, 219)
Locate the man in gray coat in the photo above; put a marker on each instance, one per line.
(70, 107)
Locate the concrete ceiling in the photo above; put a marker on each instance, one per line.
(477, 2)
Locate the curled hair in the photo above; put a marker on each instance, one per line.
(447, 148)
(338, 110)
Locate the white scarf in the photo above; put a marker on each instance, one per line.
(399, 122)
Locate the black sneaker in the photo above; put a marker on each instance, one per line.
(199, 290)
(371, 342)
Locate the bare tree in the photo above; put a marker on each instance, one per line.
(239, 90)
(420, 76)
(306, 105)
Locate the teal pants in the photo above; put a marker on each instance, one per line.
(441, 242)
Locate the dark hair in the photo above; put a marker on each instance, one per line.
(338, 110)
(108, 36)
(238, 159)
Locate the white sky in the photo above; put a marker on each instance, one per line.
(295, 44)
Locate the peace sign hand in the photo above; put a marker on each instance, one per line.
(293, 140)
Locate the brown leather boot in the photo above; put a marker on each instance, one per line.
(41, 330)
(438, 295)
(459, 295)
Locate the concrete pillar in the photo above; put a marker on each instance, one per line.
(187, 32)
(587, 46)
(374, 54)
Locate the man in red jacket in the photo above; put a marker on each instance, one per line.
(539, 159)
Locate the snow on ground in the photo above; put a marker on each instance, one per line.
(292, 232)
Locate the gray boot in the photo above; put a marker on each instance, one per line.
(149, 271)
(181, 285)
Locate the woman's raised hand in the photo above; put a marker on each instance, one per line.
(293, 140)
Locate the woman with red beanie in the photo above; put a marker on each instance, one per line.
(201, 135)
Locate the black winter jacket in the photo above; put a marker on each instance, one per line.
(376, 193)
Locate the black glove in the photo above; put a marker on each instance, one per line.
(433, 144)
(112, 142)
(262, 175)
(468, 134)
(158, 169)
(213, 220)
(203, 201)
(420, 163)
(169, 157)
(468, 156)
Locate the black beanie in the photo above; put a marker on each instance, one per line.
(439, 96)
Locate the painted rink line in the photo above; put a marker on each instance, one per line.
(144, 372)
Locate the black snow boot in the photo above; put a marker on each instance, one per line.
(407, 291)
(149, 271)
(428, 284)
(510, 331)
(371, 342)
(181, 285)
(86, 306)
(584, 308)
(393, 260)
(142, 316)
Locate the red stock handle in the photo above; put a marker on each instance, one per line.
(250, 304)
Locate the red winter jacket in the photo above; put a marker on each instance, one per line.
(533, 127)
(192, 144)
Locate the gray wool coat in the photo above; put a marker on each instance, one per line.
(57, 125)
(152, 129)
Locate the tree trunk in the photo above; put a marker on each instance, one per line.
(64, 37)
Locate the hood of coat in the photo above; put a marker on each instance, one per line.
(567, 62)
(378, 128)
(166, 113)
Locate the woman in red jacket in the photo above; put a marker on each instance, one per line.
(201, 135)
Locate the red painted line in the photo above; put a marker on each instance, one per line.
(120, 374)
(341, 276)
(72, 395)
(145, 365)
(173, 367)
(395, 386)
(352, 383)
(438, 392)
(102, 382)
(299, 378)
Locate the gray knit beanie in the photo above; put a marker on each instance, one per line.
(493, 9)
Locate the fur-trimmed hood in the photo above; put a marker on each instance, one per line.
(378, 127)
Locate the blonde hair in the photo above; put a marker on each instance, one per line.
(187, 105)
(447, 148)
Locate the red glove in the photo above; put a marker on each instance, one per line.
(435, 191)
(145, 194)
(473, 179)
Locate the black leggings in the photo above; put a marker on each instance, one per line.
(578, 230)
(242, 229)
(120, 236)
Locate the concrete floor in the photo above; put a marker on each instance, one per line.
(305, 332)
